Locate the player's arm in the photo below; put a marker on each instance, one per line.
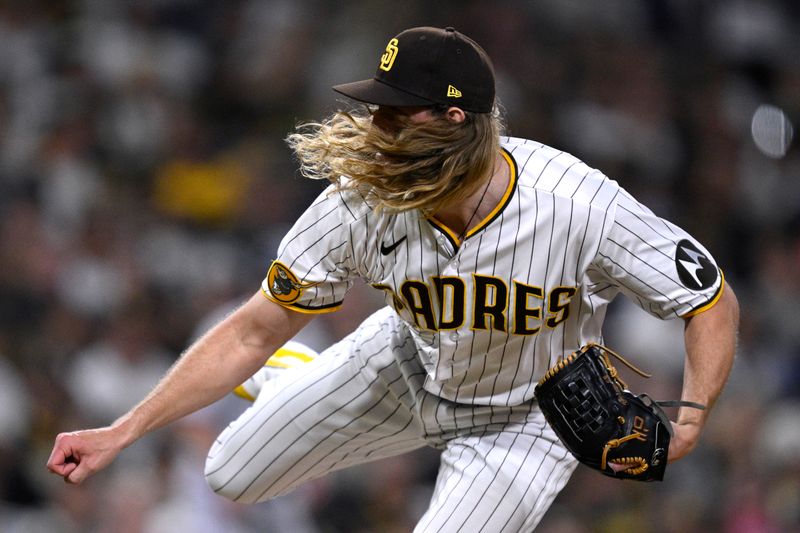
(668, 273)
(212, 367)
(710, 339)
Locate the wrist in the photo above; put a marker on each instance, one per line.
(127, 430)
(689, 430)
(689, 416)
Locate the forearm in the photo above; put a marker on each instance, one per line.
(710, 339)
(208, 370)
(212, 367)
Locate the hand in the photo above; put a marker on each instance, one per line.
(78, 455)
(684, 439)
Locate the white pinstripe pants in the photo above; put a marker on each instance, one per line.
(362, 400)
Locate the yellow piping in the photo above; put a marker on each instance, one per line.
(710, 304)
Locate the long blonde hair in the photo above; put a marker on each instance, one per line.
(407, 166)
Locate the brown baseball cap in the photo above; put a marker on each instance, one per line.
(428, 66)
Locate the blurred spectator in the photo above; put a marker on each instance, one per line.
(111, 375)
(144, 187)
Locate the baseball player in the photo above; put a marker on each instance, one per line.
(495, 255)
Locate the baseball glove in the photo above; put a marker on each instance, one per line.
(604, 425)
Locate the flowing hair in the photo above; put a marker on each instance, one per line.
(405, 166)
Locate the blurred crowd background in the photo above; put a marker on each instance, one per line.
(145, 185)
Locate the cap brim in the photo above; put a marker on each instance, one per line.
(376, 92)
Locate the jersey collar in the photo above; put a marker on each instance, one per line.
(501, 205)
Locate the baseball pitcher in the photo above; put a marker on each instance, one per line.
(497, 258)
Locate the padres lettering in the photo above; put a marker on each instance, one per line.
(387, 59)
(520, 310)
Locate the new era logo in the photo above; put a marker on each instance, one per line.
(452, 92)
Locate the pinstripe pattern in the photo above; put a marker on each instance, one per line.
(363, 399)
(529, 283)
(328, 414)
(490, 483)
(565, 225)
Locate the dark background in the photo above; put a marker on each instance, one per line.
(144, 186)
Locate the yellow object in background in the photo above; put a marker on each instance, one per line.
(204, 191)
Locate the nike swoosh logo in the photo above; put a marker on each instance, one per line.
(386, 250)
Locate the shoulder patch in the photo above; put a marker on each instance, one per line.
(284, 285)
(695, 269)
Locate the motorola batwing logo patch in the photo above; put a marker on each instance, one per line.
(694, 267)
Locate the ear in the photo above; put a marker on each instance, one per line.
(455, 114)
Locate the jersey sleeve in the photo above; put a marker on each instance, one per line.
(657, 264)
(312, 271)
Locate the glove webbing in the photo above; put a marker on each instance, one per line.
(613, 372)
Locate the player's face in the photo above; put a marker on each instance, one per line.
(386, 117)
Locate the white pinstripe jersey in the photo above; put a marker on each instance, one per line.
(490, 314)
